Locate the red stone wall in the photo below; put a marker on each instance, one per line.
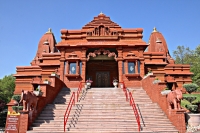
(177, 117)
(50, 95)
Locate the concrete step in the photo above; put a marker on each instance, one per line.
(103, 110)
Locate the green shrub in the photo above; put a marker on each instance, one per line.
(16, 97)
(17, 108)
(192, 108)
(190, 98)
(198, 89)
(190, 87)
(190, 102)
(197, 101)
(166, 88)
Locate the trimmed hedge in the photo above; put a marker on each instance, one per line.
(190, 87)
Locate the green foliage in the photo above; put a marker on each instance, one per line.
(37, 89)
(16, 97)
(192, 108)
(2, 105)
(188, 102)
(190, 87)
(198, 89)
(7, 86)
(17, 108)
(166, 88)
(190, 98)
(183, 55)
(3, 115)
(196, 95)
(184, 103)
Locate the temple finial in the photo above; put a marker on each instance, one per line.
(101, 13)
(49, 31)
(154, 29)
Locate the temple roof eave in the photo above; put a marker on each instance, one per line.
(99, 44)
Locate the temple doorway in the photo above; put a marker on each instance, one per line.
(102, 79)
(101, 70)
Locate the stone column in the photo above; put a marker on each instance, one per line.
(84, 61)
(66, 67)
(136, 66)
(77, 67)
(83, 70)
(62, 60)
(120, 70)
(142, 68)
(126, 67)
(120, 59)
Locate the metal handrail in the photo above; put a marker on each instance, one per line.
(68, 110)
(79, 90)
(132, 103)
(124, 89)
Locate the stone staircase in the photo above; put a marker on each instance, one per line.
(103, 110)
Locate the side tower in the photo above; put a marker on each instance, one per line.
(44, 63)
(159, 61)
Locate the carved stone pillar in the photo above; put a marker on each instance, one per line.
(142, 68)
(83, 70)
(126, 67)
(62, 60)
(83, 56)
(136, 66)
(120, 59)
(66, 67)
(120, 70)
(77, 67)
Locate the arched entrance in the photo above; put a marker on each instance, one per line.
(101, 67)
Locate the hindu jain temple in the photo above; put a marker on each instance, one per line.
(101, 52)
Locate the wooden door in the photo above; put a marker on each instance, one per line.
(102, 79)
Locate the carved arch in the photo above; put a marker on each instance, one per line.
(101, 50)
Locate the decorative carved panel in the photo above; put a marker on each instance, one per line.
(101, 51)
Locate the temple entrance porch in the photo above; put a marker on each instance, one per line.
(102, 72)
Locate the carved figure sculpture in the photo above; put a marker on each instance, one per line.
(174, 99)
(29, 100)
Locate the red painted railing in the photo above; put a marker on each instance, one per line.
(79, 90)
(124, 89)
(68, 110)
(132, 103)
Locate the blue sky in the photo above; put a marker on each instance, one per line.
(23, 23)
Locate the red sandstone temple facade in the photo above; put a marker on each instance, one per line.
(102, 51)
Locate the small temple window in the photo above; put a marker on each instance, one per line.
(131, 67)
(72, 69)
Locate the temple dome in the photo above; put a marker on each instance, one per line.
(47, 39)
(46, 45)
(157, 42)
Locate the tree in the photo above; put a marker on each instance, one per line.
(7, 86)
(186, 56)
(183, 55)
(195, 66)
